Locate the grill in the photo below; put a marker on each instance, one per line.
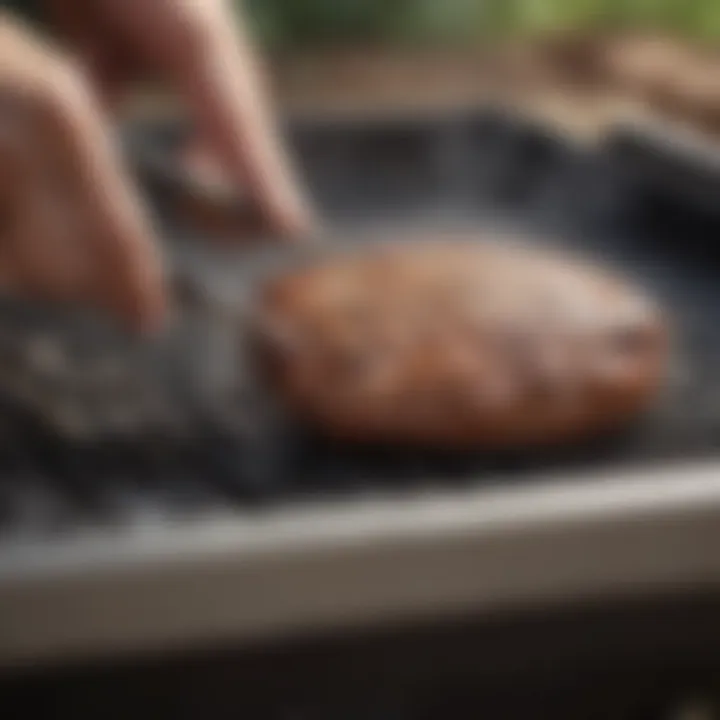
(217, 472)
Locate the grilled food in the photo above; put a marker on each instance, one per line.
(478, 344)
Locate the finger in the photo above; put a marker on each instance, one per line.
(127, 262)
(224, 84)
(12, 175)
(14, 182)
(47, 255)
(198, 49)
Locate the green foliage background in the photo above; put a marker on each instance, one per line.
(283, 22)
(291, 22)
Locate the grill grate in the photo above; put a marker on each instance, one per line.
(194, 454)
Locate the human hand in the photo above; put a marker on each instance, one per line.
(70, 227)
(203, 52)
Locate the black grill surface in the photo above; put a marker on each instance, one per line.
(101, 430)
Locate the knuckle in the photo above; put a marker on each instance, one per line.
(64, 101)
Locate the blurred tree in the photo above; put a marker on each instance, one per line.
(293, 21)
(312, 21)
(326, 20)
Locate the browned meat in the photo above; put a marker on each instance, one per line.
(463, 344)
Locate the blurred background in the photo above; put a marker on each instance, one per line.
(582, 62)
(285, 23)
